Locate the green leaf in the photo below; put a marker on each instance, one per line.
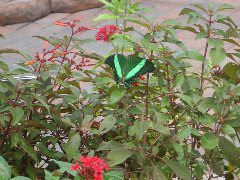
(107, 124)
(50, 176)
(201, 35)
(17, 114)
(19, 71)
(195, 55)
(199, 6)
(158, 126)
(3, 66)
(187, 28)
(110, 145)
(65, 167)
(157, 173)
(106, 17)
(184, 133)
(217, 55)
(232, 41)
(138, 129)
(230, 151)
(42, 101)
(5, 171)
(185, 11)
(181, 171)
(227, 129)
(51, 40)
(139, 22)
(106, 3)
(193, 16)
(49, 152)
(15, 138)
(215, 42)
(122, 41)
(209, 141)
(185, 98)
(118, 4)
(103, 80)
(216, 161)
(180, 151)
(150, 45)
(116, 95)
(28, 149)
(235, 123)
(232, 71)
(224, 7)
(72, 145)
(75, 90)
(206, 120)
(175, 41)
(31, 170)
(21, 178)
(118, 156)
(171, 22)
(13, 51)
(83, 41)
(113, 175)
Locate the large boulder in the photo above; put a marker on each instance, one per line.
(19, 11)
(70, 6)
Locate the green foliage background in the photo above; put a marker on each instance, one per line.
(164, 128)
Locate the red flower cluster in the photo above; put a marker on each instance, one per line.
(62, 53)
(73, 25)
(105, 32)
(91, 167)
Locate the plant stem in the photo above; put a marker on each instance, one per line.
(203, 65)
(6, 132)
(68, 44)
(147, 83)
(116, 22)
(124, 21)
(205, 52)
(146, 108)
(237, 136)
(154, 168)
(147, 96)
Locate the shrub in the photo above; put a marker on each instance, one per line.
(162, 125)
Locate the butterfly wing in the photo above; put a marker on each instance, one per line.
(138, 66)
(117, 63)
(148, 68)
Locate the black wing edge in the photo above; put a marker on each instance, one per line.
(110, 61)
(150, 65)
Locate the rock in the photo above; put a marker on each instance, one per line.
(5, 1)
(19, 11)
(70, 6)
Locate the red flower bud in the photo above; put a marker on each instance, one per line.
(141, 77)
(135, 84)
(60, 23)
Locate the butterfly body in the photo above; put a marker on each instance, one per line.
(127, 70)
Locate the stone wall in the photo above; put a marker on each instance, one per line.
(19, 11)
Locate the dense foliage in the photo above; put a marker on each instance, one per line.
(175, 122)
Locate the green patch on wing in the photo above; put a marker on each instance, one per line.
(136, 69)
(117, 66)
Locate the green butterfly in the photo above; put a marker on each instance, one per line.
(126, 69)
